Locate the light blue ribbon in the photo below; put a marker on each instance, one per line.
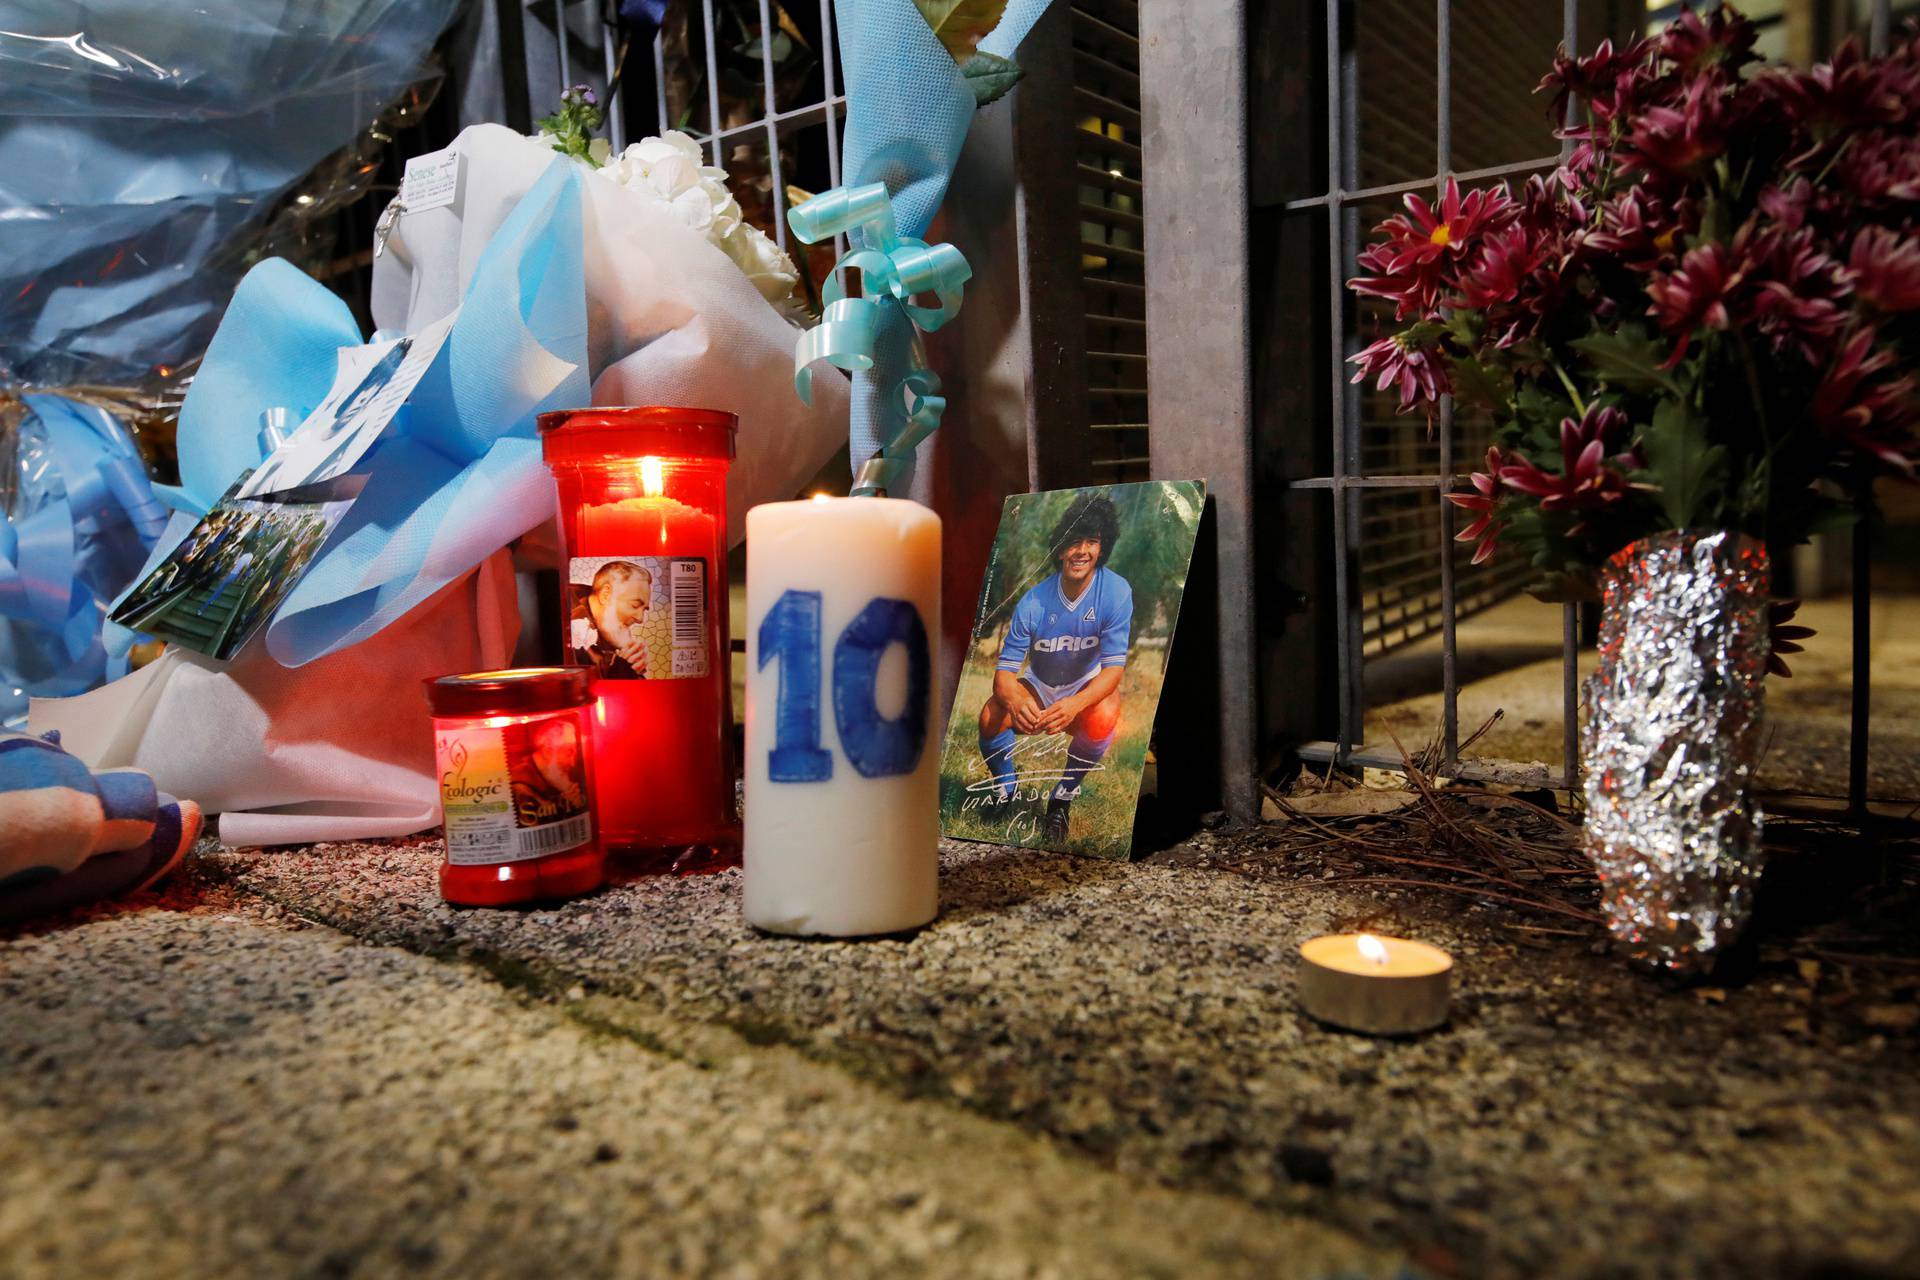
(908, 111)
(894, 269)
(458, 475)
(77, 537)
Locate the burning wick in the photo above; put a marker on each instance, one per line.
(823, 497)
(1372, 948)
(653, 477)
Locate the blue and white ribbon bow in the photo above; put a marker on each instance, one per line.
(894, 269)
(908, 111)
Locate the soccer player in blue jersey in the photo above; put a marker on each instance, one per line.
(1063, 659)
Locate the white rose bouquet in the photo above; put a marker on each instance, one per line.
(687, 302)
(668, 170)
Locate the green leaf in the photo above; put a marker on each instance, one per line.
(1474, 383)
(1682, 463)
(990, 76)
(961, 24)
(1630, 360)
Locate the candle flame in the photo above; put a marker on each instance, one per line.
(1372, 948)
(823, 497)
(653, 477)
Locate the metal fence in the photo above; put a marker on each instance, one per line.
(1348, 480)
(1255, 150)
(1203, 371)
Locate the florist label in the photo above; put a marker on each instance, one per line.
(432, 181)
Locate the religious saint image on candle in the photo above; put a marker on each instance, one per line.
(225, 579)
(548, 769)
(1054, 711)
(638, 617)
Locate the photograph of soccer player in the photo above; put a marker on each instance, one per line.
(1063, 660)
(606, 617)
(1052, 726)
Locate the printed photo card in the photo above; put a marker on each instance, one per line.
(1054, 712)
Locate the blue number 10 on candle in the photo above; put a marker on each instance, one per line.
(878, 747)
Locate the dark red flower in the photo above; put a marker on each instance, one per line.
(1485, 530)
(1635, 228)
(1414, 371)
(1683, 140)
(1800, 294)
(1885, 268)
(1786, 636)
(1596, 78)
(1585, 480)
(1700, 293)
(1865, 401)
(1411, 264)
(1723, 39)
(1879, 170)
(1850, 93)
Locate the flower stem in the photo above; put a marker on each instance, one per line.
(1579, 405)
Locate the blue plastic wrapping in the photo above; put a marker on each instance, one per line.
(144, 148)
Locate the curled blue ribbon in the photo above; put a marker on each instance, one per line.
(79, 531)
(894, 270)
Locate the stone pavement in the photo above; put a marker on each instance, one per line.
(302, 1062)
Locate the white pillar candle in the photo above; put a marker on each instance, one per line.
(843, 753)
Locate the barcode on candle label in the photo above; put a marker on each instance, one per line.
(689, 618)
(638, 617)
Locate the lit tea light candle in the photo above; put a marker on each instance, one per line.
(1382, 986)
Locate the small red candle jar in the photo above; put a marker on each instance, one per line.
(643, 528)
(514, 752)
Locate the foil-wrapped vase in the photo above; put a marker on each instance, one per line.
(1670, 744)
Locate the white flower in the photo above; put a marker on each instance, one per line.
(668, 171)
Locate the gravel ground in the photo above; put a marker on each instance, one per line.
(1573, 1119)
(205, 1086)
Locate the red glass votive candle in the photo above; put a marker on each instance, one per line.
(514, 753)
(643, 529)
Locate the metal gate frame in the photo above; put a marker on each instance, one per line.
(1279, 554)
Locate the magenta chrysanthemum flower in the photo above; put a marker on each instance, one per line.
(1416, 373)
(1410, 266)
(1786, 636)
(1865, 402)
(1885, 268)
(1699, 294)
(1585, 479)
(1800, 294)
(1485, 530)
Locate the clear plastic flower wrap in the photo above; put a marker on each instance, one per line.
(151, 154)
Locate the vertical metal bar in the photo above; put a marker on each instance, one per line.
(827, 50)
(1878, 27)
(1859, 730)
(1570, 613)
(610, 49)
(1570, 694)
(713, 81)
(779, 192)
(560, 43)
(1337, 321)
(1193, 133)
(772, 133)
(1570, 37)
(1350, 410)
(1449, 657)
(660, 80)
